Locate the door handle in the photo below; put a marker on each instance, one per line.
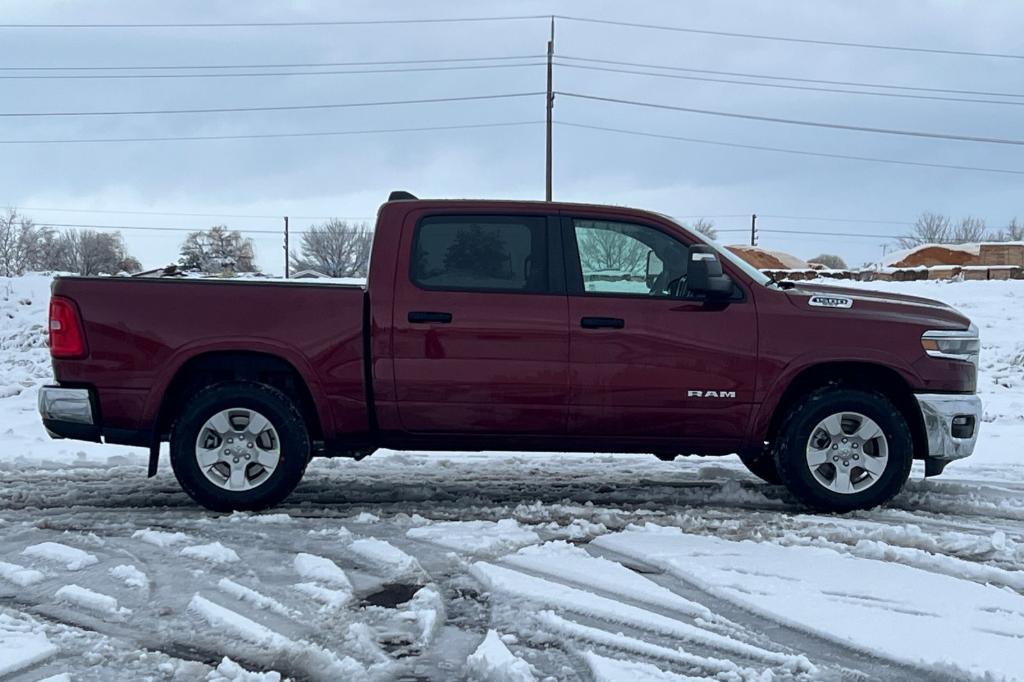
(425, 317)
(602, 323)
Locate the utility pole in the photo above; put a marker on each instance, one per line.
(286, 272)
(550, 106)
(753, 229)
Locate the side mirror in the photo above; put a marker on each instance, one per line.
(704, 274)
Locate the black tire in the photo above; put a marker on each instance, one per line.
(796, 430)
(762, 465)
(277, 408)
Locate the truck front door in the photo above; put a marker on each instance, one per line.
(649, 363)
(480, 324)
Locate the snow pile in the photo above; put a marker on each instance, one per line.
(268, 646)
(160, 538)
(214, 552)
(22, 644)
(19, 575)
(493, 662)
(383, 555)
(72, 558)
(90, 600)
(130, 576)
(328, 584)
(476, 537)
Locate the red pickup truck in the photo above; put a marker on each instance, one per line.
(515, 325)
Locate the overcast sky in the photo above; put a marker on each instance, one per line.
(348, 176)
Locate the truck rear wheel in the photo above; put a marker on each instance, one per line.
(841, 449)
(239, 446)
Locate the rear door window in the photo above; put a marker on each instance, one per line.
(481, 253)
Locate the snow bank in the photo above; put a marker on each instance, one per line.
(493, 662)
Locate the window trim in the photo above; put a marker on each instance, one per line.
(552, 247)
(574, 269)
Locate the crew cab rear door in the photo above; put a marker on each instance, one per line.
(480, 325)
(648, 366)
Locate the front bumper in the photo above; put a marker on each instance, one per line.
(951, 422)
(69, 413)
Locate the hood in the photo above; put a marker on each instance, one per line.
(857, 302)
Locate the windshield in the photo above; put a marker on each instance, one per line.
(751, 272)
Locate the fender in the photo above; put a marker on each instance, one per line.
(774, 388)
(285, 351)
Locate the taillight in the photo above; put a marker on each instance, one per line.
(67, 339)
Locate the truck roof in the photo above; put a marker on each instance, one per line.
(407, 200)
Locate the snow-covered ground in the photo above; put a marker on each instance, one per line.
(492, 566)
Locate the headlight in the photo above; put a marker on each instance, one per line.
(953, 345)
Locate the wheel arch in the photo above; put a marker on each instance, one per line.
(848, 374)
(217, 366)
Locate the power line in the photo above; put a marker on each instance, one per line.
(261, 136)
(288, 24)
(292, 65)
(738, 74)
(264, 74)
(836, 220)
(791, 39)
(831, 234)
(783, 150)
(152, 228)
(786, 86)
(287, 107)
(180, 214)
(791, 121)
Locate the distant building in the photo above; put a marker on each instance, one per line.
(309, 274)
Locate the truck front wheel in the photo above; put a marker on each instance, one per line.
(841, 449)
(239, 446)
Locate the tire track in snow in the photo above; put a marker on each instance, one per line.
(823, 651)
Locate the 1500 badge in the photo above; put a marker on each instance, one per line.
(820, 301)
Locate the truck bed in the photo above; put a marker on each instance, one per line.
(141, 331)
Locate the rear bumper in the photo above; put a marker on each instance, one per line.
(69, 413)
(951, 422)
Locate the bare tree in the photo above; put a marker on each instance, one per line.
(1013, 232)
(705, 227)
(88, 252)
(218, 251)
(930, 228)
(23, 244)
(610, 249)
(968, 230)
(829, 260)
(335, 248)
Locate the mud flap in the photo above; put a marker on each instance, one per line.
(154, 457)
(934, 467)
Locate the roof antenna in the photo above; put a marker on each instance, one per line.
(401, 195)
